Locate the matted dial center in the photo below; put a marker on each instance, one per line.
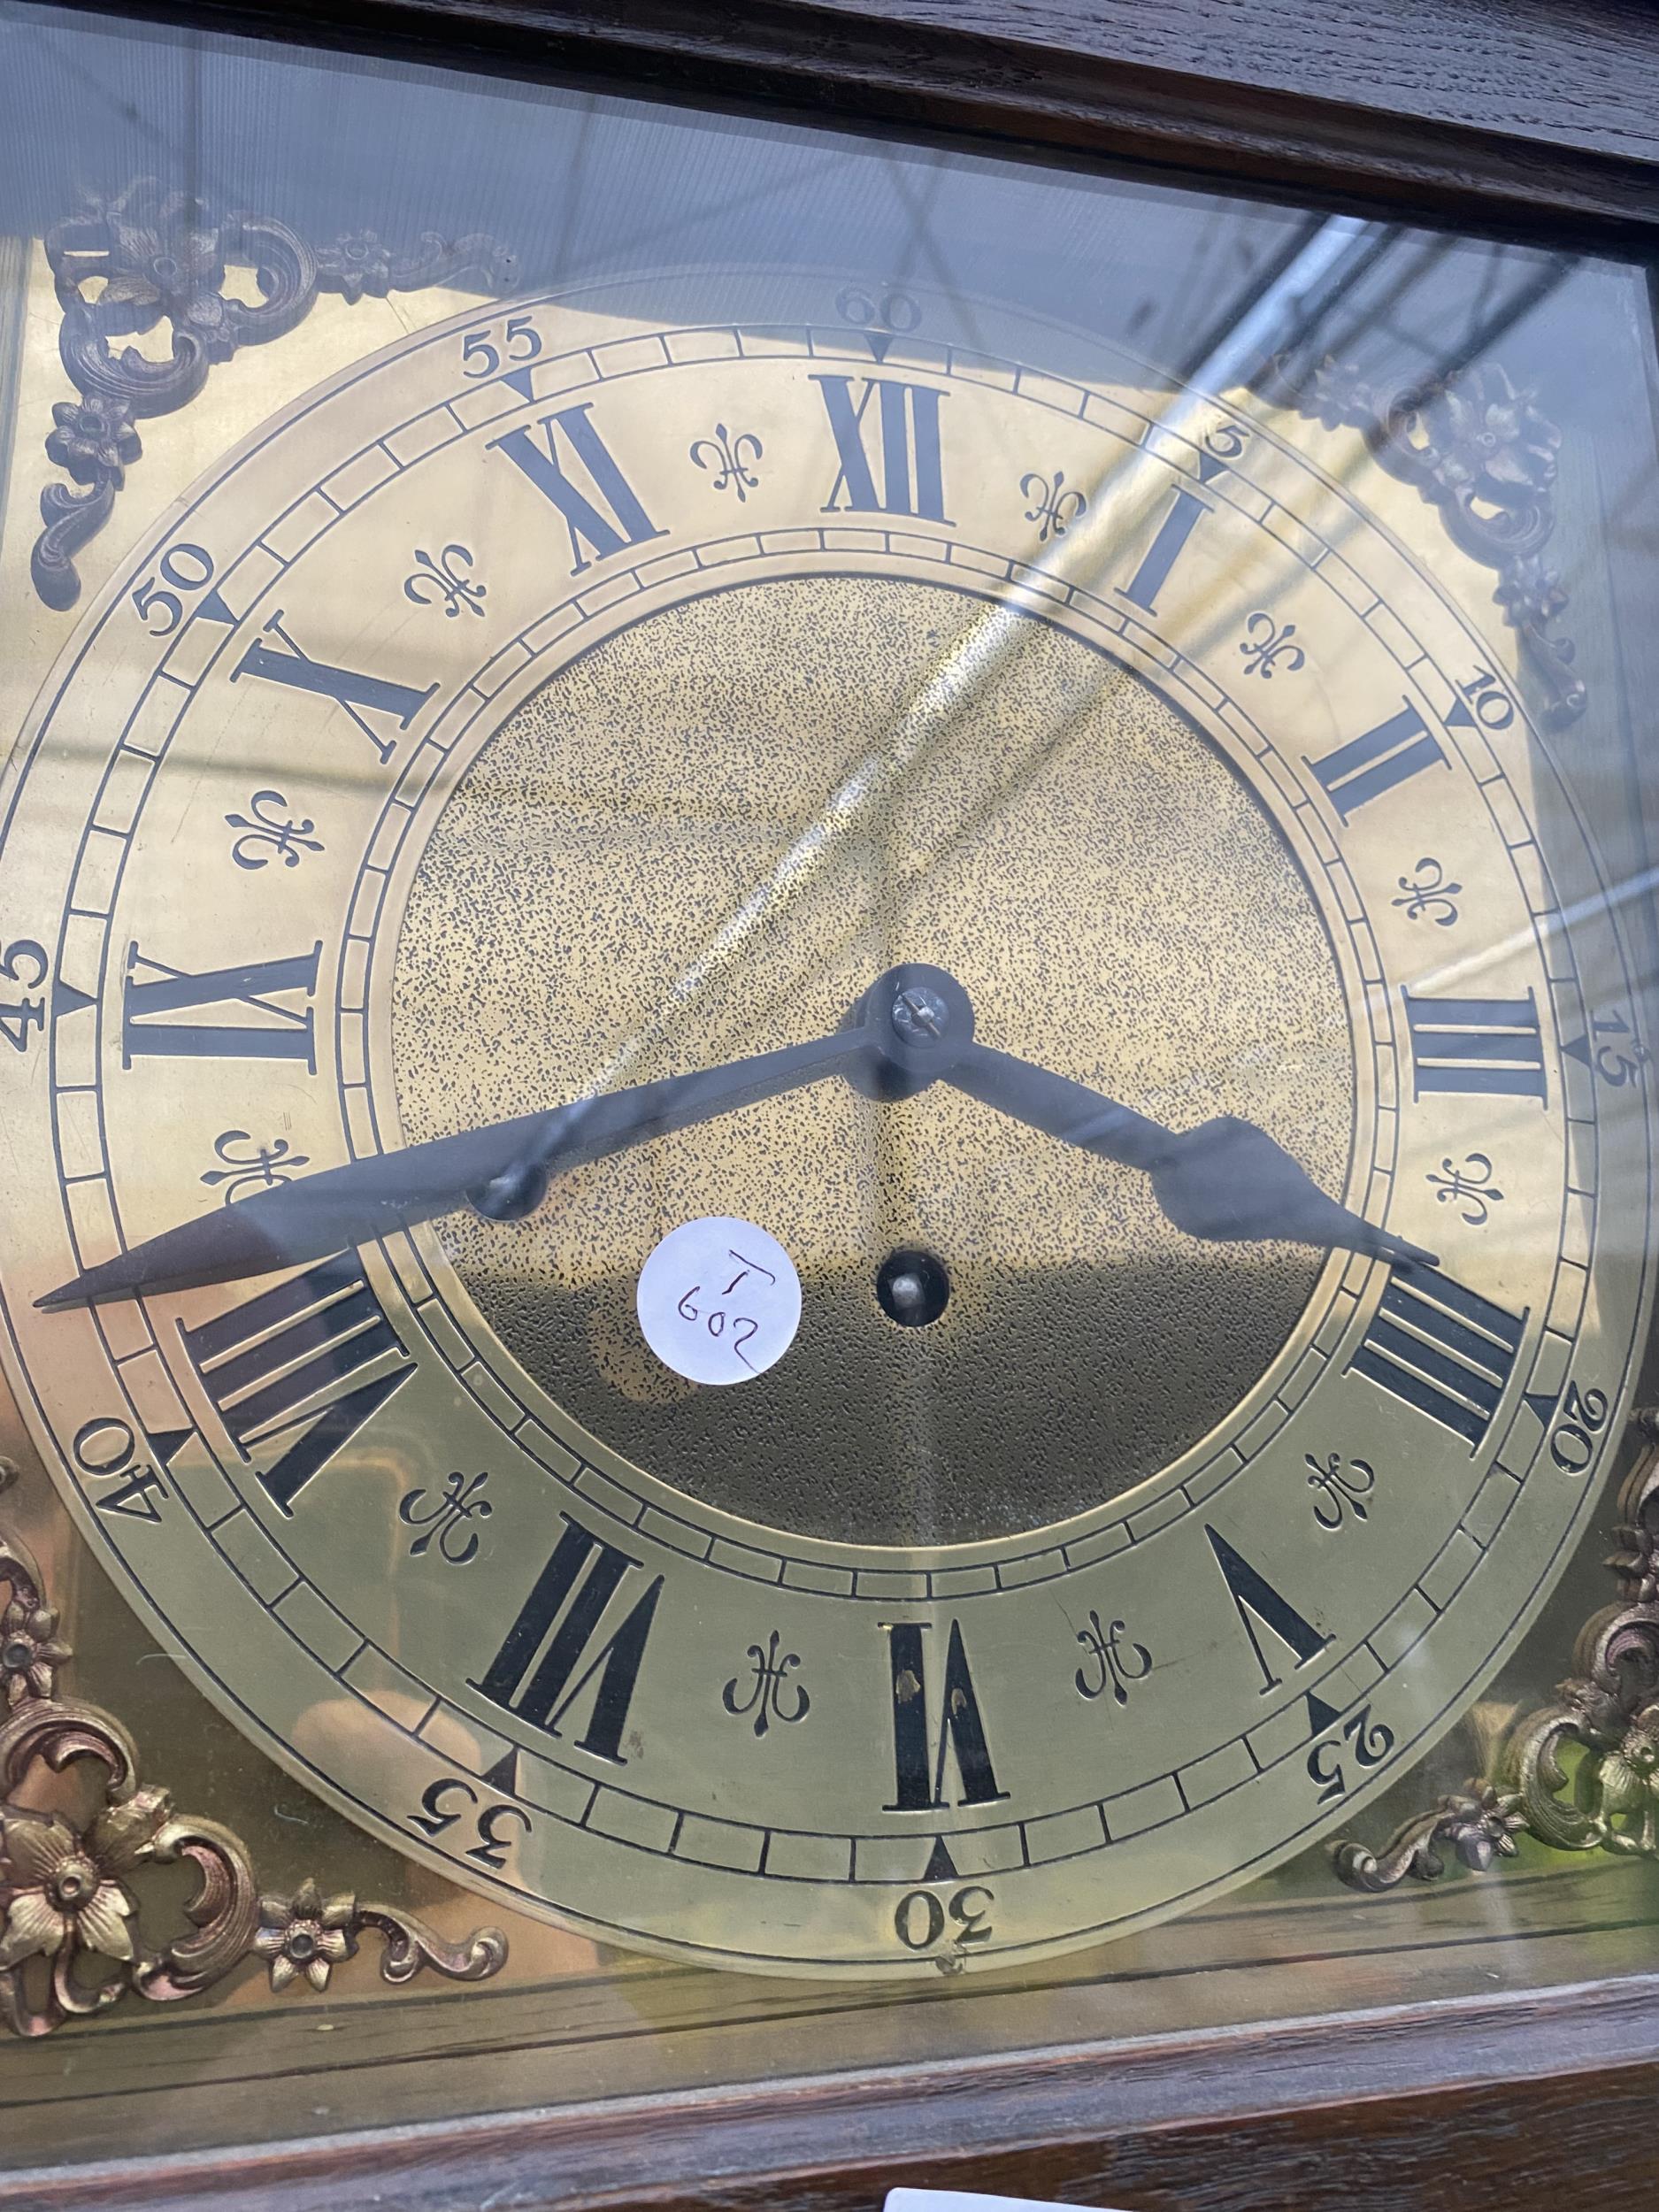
(708, 836)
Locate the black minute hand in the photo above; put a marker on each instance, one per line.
(504, 1167)
(1228, 1180)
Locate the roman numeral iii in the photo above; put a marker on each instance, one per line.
(566, 1642)
(918, 1768)
(1481, 1045)
(1441, 1347)
(276, 1364)
(891, 426)
(602, 520)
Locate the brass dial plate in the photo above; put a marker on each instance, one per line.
(613, 697)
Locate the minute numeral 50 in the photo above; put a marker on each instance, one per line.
(188, 568)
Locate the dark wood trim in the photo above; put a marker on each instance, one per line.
(1552, 125)
(1427, 2108)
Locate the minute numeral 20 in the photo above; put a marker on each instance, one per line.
(274, 1364)
(1441, 1347)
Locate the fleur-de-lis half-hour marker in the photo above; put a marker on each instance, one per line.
(271, 824)
(445, 582)
(1053, 504)
(1267, 646)
(733, 456)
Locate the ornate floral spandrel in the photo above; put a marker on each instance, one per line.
(1479, 449)
(72, 1939)
(145, 257)
(1582, 1773)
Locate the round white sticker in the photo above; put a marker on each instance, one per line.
(719, 1300)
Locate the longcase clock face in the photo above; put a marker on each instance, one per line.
(1031, 860)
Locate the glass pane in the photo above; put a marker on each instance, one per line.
(825, 972)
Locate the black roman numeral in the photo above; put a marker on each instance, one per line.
(552, 1652)
(360, 696)
(905, 423)
(1367, 767)
(596, 531)
(1257, 1602)
(282, 1033)
(1185, 512)
(1476, 1044)
(275, 1364)
(919, 1771)
(1443, 1349)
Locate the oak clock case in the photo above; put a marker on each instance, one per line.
(1148, 901)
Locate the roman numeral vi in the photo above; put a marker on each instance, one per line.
(918, 1771)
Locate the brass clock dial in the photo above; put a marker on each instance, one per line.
(1167, 979)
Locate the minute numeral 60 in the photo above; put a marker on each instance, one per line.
(923, 1919)
(481, 352)
(188, 568)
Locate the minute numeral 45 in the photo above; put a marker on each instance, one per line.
(1441, 1347)
(602, 512)
(568, 1640)
(1479, 1045)
(891, 426)
(919, 1770)
(275, 1365)
(264, 1027)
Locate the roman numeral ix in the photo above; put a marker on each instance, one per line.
(258, 987)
